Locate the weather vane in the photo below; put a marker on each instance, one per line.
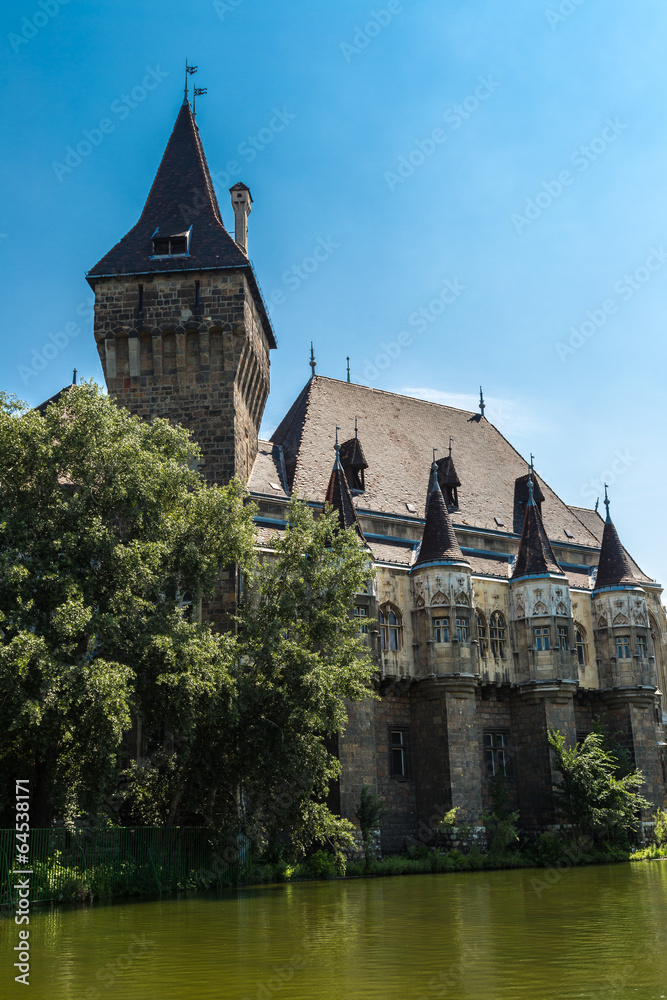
(198, 92)
(189, 70)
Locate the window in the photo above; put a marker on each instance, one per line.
(481, 634)
(497, 631)
(623, 647)
(361, 613)
(170, 246)
(496, 757)
(390, 627)
(186, 605)
(398, 753)
(562, 637)
(580, 637)
(197, 296)
(542, 638)
(641, 645)
(462, 631)
(141, 298)
(441, 629)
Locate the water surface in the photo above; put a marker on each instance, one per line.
(597, 932)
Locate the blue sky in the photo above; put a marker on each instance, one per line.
(488, 180)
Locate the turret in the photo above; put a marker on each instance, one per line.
(540, 606)
(441, 577)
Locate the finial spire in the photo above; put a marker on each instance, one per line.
(597, 504)
(531, 498)
(356, 426)
(482, 404)
(434, 462)
(197, 92)
(450, 446)
(189, 70)
(348, 369)
(312, 360)
(74, 377)
(606, 503)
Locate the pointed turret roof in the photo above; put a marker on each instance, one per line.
(536, 557)
(181, 201)
(340, 498)
(614, 567)
(447, 471)
(439, 543)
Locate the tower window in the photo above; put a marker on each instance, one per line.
(398, 753)
(441, 629)
(361, 614)
(542, 639)
(171, 246)
(197, 296)
(641, 645)
(623, 647)
(580, 638)
(496, 757)
(462, 631)
(481, 633)
(390, 628)
(497, 631)
(562, 637)
(141, 298)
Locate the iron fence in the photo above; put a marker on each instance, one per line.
(70, 865)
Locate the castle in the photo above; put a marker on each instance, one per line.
(497, 610)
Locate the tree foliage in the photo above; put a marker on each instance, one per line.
(370, 812)
(101, 525)
(114, 701)
(593, 800)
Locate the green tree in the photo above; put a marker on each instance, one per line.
(501, 821)
(592, 800)
(102, 525)
(301, 657)
(370, 812)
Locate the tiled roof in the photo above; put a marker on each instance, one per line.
(439, 542)
(267, 473)
(399, 434)
(182, 196)
(591, 519)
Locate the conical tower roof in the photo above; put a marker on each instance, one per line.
(339, 496)
(614, 567)
(439, 541)
(536, 557)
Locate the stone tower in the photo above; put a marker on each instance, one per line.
(180, 324)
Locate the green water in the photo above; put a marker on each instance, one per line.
(594, 932)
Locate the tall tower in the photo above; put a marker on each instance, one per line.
(180, 324)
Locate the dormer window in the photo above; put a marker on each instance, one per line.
(174, 245)
(354, 463)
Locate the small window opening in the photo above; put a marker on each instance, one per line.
(197, 296)
(496, 757)
(141, 298)
(398, 753)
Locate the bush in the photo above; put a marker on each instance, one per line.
(660, 831)
(321, 864)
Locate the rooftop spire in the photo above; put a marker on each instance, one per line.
(439, 542)
(312, 361)
(536, 557)
(614, 567)
(339, 497)
(482, 404)
(348, 369)
(189, 70)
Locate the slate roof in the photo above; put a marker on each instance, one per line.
(399, 435)
(182, 196)
(614, 568)
(352, 454)
(439, 542)
(536, 557)
(339, 496)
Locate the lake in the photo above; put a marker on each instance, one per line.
(589, 932)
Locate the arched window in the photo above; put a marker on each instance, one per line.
(391, 626)
(482, 636)
(497, 631)
(580, 640)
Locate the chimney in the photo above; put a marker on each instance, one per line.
(241, 202)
